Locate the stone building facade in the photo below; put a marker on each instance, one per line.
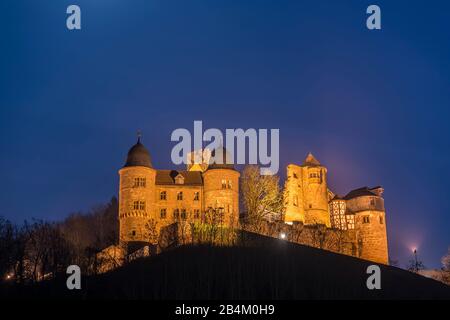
(151, 199)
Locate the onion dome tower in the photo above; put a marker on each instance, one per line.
(136, 194)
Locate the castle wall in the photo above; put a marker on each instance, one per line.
(221, 190)
(294, 202)
(371, 228)
(171, 203)
(318, 236)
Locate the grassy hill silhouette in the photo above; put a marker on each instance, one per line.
(272, 269)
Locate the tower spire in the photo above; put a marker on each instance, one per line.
(139, 136)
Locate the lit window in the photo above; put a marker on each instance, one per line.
(163, 213)
(139, 182)
(350, 222)
(139, 205)
(163, 195)
(179, 179)
(180, 195)
(196, 196)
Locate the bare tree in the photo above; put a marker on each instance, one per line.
(151, 231)
(6, 247)
(446, 267)
(415, 264)
(261, 195)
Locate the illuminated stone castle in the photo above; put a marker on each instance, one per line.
(169, 196)
(360, 214)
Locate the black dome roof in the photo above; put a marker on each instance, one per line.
(223, 155)
(138, 156)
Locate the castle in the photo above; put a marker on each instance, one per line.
(166, 197)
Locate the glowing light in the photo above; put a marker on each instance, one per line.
(283, 235)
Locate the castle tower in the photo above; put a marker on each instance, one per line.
(136, 195)
(315, 192)
(306, 193)
(370, 223)
(221, 187)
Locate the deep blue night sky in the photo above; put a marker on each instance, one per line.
(372, 106)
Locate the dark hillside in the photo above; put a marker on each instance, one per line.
(273, 270)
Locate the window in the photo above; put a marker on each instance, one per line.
(139, 205)
(183, 214)
(196, 213)
(196, 196)
(350, 222)
(295, 201)
(366, 219)
(224, 184)
(310, 206)
(139, 182)
(313, 175)
(176, 213)
(381, 220)
(180, 195)
(372, 201)
(163, 213)
(295, 176)
(133, 233)
(163, 195)
(229, 184)
(179, 179)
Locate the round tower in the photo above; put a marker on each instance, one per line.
(221, 187)
(370, 223)
(136, 195)
(315, 190)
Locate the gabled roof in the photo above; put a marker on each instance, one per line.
(167, 177)
(364, 191)
(311, 161)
